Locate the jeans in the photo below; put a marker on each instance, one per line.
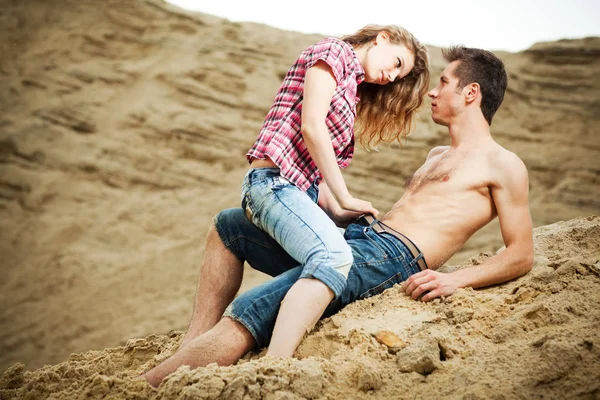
(380, 262)
(294, 219)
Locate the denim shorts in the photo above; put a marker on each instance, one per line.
(294, 219)
(380, 262)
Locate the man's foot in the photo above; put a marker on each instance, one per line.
(224, 344)
(188, 337)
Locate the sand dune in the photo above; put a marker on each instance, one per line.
(123, 128)
(535, 337)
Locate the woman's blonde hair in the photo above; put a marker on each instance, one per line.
(386, 113)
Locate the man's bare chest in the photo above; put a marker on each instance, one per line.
(450, 171)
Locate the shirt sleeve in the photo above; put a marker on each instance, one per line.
(331, 51)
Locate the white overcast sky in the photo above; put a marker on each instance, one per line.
(511, 25)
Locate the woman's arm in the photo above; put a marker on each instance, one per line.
(319, 87)
(328, 203)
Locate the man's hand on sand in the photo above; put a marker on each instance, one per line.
(429, 284)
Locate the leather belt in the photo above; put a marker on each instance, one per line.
(380, 227)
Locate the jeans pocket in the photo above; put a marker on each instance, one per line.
(388, 283)
(367, 232)
(249, 207)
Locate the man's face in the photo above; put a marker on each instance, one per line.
(447, 101)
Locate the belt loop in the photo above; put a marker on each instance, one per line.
(420, 261)
(417, 258)
(368, 217)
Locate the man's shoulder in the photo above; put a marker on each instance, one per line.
(506, 164)
(501, 155)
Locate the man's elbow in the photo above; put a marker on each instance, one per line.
(521, 257)
(526, 262)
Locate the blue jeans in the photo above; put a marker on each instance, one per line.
(294, 219)
(380, 262)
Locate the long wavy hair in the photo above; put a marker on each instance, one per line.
(386, 113)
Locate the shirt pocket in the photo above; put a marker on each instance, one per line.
(342, 111)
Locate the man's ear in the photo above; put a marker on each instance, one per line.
(473, 92)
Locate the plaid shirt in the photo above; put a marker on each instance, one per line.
(280, 137)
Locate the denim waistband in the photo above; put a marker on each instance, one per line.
(261, 173)
(379, 227)
(258, 174)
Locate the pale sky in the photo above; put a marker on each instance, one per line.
(511, 25)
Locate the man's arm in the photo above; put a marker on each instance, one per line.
(511, 200)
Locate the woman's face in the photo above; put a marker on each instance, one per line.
(385, 62)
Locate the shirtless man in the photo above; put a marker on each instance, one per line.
(458, 190)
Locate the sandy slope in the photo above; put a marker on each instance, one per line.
(536, 337)
(123, 126)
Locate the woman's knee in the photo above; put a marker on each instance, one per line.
(344, 256)
(339, 260)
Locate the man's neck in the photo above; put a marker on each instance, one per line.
(469, 131)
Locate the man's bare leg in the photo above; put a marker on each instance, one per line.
(220, 278)
(300, 310)
(224, 344)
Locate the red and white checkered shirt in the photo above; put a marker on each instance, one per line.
(280, 137)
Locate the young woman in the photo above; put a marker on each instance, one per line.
(374, 80)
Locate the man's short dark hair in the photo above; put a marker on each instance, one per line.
(483, 67)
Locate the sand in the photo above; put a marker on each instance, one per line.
(123, 128)
(535, 337)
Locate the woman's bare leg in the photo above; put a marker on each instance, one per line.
(301, 308)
